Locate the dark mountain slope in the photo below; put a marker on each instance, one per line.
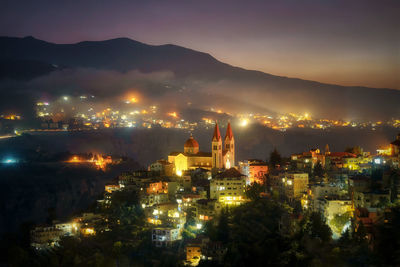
(24, 69)
(193, 68)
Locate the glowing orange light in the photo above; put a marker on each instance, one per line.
(173, 114)
(12, 117)
(75, 159)
(88, 231)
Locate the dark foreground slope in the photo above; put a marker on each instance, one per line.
(37, 192)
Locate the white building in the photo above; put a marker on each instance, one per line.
(164, 237)
(228, 187)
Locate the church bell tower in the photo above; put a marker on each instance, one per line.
(229, 147)
(216, 148)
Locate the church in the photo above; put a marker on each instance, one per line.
(222, 153)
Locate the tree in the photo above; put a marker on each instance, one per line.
(318, 170)
(315, 226)
(223, 226)
(256, 238)
(387, 240)
(254, 191)
(394, 183)
(293, 165)
(353, 246)
(339, 221)
(275, 159)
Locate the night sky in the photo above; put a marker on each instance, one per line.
(342, 42)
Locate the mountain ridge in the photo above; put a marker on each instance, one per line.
(168, 45)
(192, 68)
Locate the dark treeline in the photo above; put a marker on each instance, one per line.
(34, 190)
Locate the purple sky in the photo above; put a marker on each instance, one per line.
(342, 42)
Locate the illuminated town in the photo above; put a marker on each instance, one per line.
(199, 133)
(182, 199)
(79, 113)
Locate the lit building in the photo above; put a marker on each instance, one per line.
(165, 236)
(44, 237)
(87, 231)
(368, 218)
(162, 167)
(294, 184)
(214, 251)
(335, 159)
(384, 151)
(166, 214)
(395, 146)
(148, 200)
(112, 187)
(192, 158)
(206, 209)
(309, 159)
(359, 183)
(188, 201)
(357, 164)
(193, 254)
(157, 188)
(318, 192)
(375, 199)
(255, 170)
(68, 229)
(274, 180)
(228, 187)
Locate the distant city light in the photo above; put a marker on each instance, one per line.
(173, 114)
(244, 122)
(9, 161)
(65, 98)
(42, 103)
(199, 226)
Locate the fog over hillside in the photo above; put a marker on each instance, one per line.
(172, 76)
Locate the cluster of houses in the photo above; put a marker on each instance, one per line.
(48, 236)
(355, 184)
(193, 186)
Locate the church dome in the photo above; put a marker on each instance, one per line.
(191, 143)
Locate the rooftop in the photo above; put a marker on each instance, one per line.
(230, 173)
(191, 142)
(199, 154)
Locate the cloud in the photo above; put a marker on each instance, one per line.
(245, 94)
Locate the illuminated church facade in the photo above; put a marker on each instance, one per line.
(222, 153)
